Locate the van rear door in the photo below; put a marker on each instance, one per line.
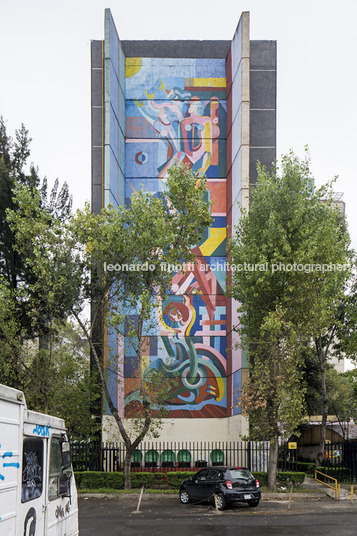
(11, 410)
(33, 486)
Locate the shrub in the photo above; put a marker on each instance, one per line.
(100, 479)
(306, 467)
(148, 480)
(284, 479)
(340, 473)
(174, 479)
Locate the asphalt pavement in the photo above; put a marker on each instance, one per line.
(310, 514)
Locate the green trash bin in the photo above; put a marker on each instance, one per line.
(136, 458)
(151, 458)
(217, 457)
(167, 458)
(184, 458)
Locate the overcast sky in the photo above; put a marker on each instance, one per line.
(45, 74)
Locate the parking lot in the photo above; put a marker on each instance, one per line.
(162, 515)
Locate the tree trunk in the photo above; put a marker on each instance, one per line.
(325, 408)
(129, 445)
(127, 466)
(273, 463)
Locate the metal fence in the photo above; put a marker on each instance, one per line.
(340, 461)
(156, 456)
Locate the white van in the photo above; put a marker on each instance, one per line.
(38, 495)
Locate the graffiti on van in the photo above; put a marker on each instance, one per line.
(42, 431)
(32, 469)
(8, 464)
(30, 523)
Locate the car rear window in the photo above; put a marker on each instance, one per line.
(233, 474)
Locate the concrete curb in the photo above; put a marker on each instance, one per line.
(266, 496)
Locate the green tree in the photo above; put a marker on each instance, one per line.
(16, 274)
(289, 233)
(11, 369)
(74, 261)
(65, 387)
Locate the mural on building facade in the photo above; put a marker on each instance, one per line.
(176, 112)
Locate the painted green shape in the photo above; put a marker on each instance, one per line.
(220, 275)
(221, 250)
(168, 346)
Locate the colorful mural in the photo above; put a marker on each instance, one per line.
(176, 112)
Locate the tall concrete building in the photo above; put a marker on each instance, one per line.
(211, 105)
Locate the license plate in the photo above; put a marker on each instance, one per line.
(247, 497)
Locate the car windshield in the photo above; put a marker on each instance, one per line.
(234, 474)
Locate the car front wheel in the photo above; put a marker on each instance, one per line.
(253, 503)
(220, 501)
(184, 497)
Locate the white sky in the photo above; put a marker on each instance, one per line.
(45, 74)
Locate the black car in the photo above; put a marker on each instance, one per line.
(228, 484)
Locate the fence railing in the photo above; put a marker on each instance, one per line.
(176, 456)
(340, 459)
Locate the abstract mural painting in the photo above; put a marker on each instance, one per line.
(176, 112)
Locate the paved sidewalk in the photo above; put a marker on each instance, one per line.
(345, 492)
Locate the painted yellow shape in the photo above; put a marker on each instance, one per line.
(138, 103)
(150, 95)
(208, 82)
(132, 66)
(216, 237)
(221, 389)
(192, 321)
(162, 85)
(145, 362)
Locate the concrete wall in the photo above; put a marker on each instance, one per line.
(262, 135)
(238, 128)
(185, 430)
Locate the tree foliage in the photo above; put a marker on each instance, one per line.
(76, 261)
(285, 245)
(33, 353)
(14, 270)
(59, 380)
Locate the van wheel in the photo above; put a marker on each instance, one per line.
(184, 497)
(253, 503)
(221, 501)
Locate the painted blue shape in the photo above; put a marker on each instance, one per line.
(42, 431)
(2, 477)
(137, 170)
(7, 454)
(237, 384)
(210, 68)
(219, 221)
(17, 465)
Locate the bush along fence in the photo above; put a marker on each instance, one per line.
(100, 480)
(163, 457)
